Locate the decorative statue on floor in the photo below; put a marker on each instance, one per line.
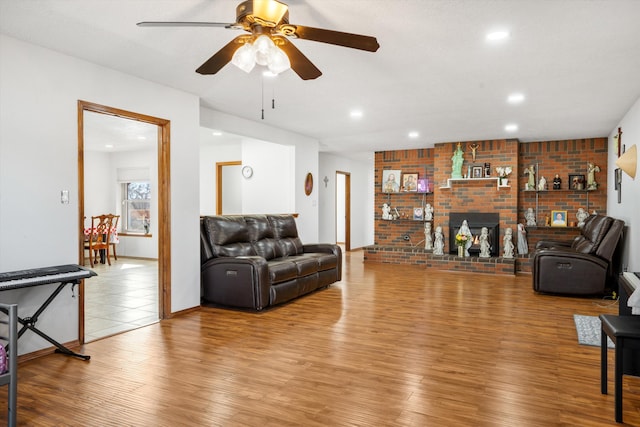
(438, 246)
(428, 239)
(507, 243)
(386, 211)
(591, 176)
(530, 216)
(466, 231)
(484, 243)
(428, 212)
(523, 245)
(581, 215)
(531, 171)
(542, 184)
(457, 160)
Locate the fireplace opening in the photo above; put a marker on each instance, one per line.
(476, 221)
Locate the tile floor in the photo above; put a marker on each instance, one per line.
(124, 296)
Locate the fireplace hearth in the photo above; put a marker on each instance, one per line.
(476, 221)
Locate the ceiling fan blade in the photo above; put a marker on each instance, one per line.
(299, 63)
(355, 41)
(221, 57)
(185, 24)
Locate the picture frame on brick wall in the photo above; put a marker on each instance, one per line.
(418, 213)
(558, 218)
(477, 172)
(410, 182)
(391, 180)
(576, 181)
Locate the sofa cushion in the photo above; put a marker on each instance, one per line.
(281, 269)
(592, 234)
(325, 261)
(286, 233)
(305, 265)
(267, 249)
(228, 236)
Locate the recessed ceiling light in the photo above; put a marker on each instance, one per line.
(515, 98)
(142, 137)
(216, 133)
(512, 127)
(108, 146)
(356, 114)
(497, 35)
(413, 134)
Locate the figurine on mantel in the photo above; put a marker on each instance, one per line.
(523, 245)
(591, 176)
(484, 243)
(457, 160)
(428, 239)
(581, 215)
(507, 243)
(438, 246)
(428, 212)
(530, 216)
(557, 182)
(542, 184)
(531, 183)
(386, 211)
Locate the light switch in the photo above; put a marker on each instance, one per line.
(64, 197)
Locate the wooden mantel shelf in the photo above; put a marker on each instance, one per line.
(463, 180)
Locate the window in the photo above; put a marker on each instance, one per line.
(136, 207)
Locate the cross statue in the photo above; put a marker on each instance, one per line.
(473, 148)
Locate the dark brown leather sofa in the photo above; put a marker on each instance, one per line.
(257, 261)
(580, 267)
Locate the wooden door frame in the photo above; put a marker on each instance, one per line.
(164, 201)
(219, 166)
(347, 209)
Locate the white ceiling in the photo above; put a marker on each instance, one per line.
(576, 61)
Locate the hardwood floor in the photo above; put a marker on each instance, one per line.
(388, 346)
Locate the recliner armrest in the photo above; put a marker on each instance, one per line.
(323, 247)
(241, 281)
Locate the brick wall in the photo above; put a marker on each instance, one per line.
(551, 157)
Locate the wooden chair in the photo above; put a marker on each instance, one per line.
(99, 237)
(113, 238)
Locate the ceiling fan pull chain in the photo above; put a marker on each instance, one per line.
(262, 84)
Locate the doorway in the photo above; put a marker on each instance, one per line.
(228, 188)
(343, 209)
(163, 206)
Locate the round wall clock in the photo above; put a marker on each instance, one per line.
(247, 171)
(308, 184)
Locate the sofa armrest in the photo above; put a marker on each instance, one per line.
(241, 281)
(568, 272)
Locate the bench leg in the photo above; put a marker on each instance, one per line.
(603, 361)
(618, 380)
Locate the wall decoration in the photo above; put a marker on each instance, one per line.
(391, 180)
(423, 185)
(308, 184)
(477, 172)
(558, 218)
(409, 182)
(576, 181)
(418, 213)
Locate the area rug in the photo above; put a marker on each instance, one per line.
(588, 329)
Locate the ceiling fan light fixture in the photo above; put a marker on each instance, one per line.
(244, 58)
(270, 12)
(278, 61)
(263, 46)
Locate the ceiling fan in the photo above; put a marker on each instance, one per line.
(267, 21)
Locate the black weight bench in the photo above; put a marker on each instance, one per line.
(624, 331)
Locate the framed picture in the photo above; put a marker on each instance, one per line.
(423, 185)
(558, 218)
(409, 182)
(477, 172)
(576, 181)
(391, 180)
(418, 214)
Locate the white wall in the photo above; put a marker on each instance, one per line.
(630, 206)
(38, 158)
(301, 160)
(209, 155)
(362, 187)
